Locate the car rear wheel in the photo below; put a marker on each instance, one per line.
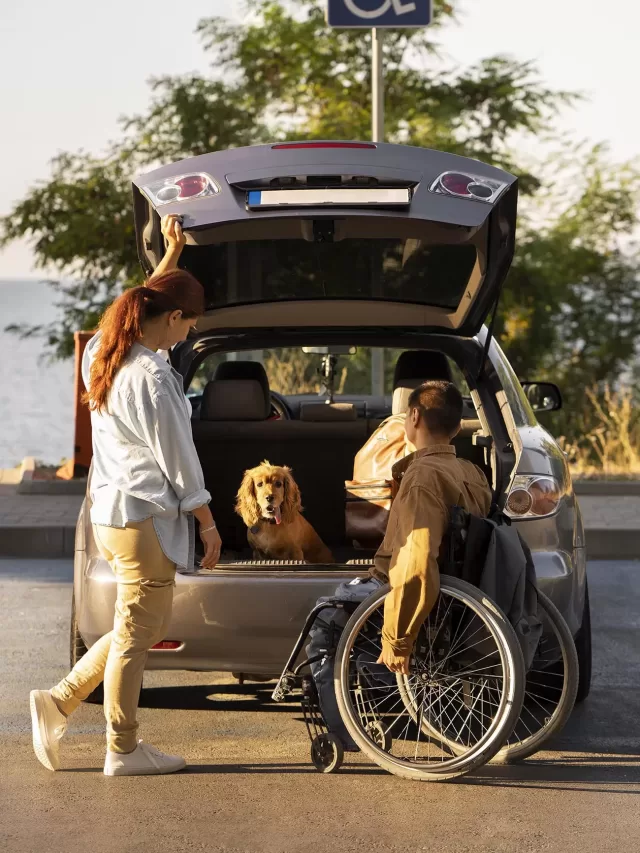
(583, 648)
(77, 649)
(550, 689)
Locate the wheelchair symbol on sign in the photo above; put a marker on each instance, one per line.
(399, 8)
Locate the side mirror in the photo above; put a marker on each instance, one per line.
(337, 350)
(543, 396)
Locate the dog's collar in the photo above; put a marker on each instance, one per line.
(256, 527)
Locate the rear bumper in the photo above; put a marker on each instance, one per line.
(248, 621)
(226, 620)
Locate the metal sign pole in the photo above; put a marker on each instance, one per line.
(377, 135)
(377, 87)
(396, 14)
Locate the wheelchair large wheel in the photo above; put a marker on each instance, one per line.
(550, 688)
(465, 687)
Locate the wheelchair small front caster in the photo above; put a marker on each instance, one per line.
(327, 753)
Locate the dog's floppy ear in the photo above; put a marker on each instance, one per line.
(246, 503)
(292, 503)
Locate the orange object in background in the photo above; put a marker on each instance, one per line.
(78, 466)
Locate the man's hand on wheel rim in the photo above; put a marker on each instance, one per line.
(394, 662)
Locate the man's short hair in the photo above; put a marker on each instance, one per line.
(440, 406)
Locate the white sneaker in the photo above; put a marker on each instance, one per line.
(48, 724)
(145, 760)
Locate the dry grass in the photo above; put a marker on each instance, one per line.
(611, 447)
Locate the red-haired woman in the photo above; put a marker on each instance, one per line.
(146, 487)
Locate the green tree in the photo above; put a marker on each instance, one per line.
(571, 302)
(79, 223)
(571, 306)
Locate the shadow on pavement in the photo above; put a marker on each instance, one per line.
(251, 768)
(598, 751)
(280, 768)
(596, 774)
(216, 697)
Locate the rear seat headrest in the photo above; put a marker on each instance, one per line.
(421, 364)
(326, 412)
(412, 369)
(244, 370)
(234, 400)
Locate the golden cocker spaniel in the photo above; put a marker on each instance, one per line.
(269, 504)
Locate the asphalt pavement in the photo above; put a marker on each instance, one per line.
(250, 785)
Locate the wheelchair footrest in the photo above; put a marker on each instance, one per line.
(286, 685)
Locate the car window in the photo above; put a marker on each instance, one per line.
(398, 269)
(292, 371)
(523, 414)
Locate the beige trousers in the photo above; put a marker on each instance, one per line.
(146, 579)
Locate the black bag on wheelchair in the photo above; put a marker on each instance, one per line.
(490, 554)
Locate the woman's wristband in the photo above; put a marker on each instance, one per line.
(207, 529)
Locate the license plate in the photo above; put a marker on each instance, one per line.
(334, 197)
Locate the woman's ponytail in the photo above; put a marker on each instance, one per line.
(122, 322)
(121, 327)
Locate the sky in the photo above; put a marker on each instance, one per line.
(70, 70)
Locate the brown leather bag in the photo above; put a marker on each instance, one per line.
(369, 494)
(367, 512)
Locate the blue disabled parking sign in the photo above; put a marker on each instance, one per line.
(379, 13)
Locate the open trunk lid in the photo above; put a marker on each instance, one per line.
(332, 234)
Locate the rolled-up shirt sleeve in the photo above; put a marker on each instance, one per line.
(166, 428)
(414, 576)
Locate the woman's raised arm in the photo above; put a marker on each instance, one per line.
(174, 236)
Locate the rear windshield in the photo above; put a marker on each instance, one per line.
(291, 371)
(395, 269)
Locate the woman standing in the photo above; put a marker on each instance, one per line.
(146, 487)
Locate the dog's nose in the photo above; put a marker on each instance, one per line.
(270, 498)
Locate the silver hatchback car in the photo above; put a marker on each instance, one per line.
(335, 247)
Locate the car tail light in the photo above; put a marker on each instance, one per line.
(281, 145)
(192, 185)
(533, 496)
(465, 185)
(167, 645)
(181, 188)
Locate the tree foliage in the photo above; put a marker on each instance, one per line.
(571, 306)
(81, 225)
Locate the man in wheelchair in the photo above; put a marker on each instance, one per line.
(431, 481)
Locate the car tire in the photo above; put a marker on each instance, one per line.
(77, 649)
(583, 648)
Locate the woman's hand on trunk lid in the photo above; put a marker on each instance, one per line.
(172, 232)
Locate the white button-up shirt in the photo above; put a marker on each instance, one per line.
(145, 464)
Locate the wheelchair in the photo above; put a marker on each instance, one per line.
(467, 699)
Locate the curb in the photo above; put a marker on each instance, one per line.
(55, 542)
(52, 487)
(36, 541)
(607, 488)
(609, 544)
